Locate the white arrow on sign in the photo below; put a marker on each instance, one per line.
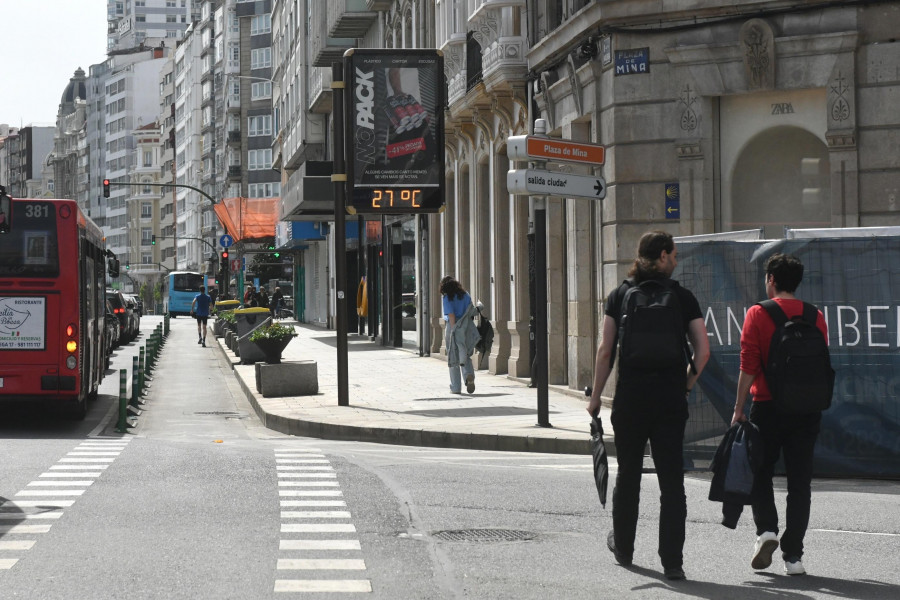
(549, 183)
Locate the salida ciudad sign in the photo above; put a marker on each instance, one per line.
(395, 135)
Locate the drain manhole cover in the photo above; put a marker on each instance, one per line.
(484, 535)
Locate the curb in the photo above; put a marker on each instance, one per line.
(411, 437)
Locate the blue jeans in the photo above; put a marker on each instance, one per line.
(458, 372)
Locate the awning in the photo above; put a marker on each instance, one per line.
(248, 219)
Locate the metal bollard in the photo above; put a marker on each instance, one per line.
(135, 391)
(122, 424)
(141, 372)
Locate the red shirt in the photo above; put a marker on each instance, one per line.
(756, 336)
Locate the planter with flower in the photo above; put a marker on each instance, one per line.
(272, 339)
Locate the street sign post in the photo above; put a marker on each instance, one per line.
(529, 147)
(549, 183)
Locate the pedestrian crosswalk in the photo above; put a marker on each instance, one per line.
(318, 539)
(33, 509)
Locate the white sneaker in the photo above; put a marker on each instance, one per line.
(765, 546)
(794, 567)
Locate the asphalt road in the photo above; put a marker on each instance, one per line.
(203, 502)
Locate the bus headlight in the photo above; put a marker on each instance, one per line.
(71, 346)
(71, 362)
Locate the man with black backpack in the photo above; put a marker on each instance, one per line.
(651, 317)
(786, 367)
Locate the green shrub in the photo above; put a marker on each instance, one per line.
(273, 331)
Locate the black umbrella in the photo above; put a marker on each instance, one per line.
(598, 449)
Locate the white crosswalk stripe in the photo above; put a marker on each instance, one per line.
(67, 483)
(55, 489)
(324, 529)
(19, 516)
(316, 585)
(308, 484)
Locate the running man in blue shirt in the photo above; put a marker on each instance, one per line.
(201, 302)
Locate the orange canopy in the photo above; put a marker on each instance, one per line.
(248, 219)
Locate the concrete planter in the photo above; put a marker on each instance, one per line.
(272, 348)
(296, 378)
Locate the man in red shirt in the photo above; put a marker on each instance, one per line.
(794, 435)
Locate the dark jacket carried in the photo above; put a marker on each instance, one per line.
(737, 460)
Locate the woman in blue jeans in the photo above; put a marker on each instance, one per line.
(456, 303)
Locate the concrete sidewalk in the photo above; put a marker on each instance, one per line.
(398, 397)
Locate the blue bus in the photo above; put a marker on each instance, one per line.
(183, 286)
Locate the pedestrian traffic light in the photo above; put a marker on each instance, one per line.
(153, 239)
(106, 188)
(277, 254)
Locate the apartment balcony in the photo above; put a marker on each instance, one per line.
(454, 50)
(457, 86)
(330, 50)
(379, 4)
(504, 62)
(233, 103)
(234, 137)
(320, 91)
(235, 172)
(502, 42)
(349, 18)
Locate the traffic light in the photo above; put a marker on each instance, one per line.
(106, 188)
(127, 265)
(224, 256)
(153, 239)
(277, 254)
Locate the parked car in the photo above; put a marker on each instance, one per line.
(110, 332)
(138, 303)
(120, 309)
(133, 303)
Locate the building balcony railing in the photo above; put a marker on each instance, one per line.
(379, 4)
(456, 87)
(234, 137)
(234, 172)
(349, 18)
(320, 91)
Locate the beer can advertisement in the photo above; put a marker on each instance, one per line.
(395, 129)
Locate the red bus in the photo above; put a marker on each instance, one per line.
(52, 303)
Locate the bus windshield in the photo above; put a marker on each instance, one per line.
(31, 248)
(186, 282)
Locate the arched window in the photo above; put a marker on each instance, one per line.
(781, 178)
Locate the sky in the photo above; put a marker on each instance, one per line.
(43, 42)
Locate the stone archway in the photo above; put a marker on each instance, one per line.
(781, 178)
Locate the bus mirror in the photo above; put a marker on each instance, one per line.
(5, 211)
(112, 265)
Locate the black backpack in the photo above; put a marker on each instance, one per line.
(651, 327)
(798, 370)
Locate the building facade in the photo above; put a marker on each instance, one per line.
(26, 152)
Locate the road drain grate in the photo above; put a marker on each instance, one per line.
(484, 535)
